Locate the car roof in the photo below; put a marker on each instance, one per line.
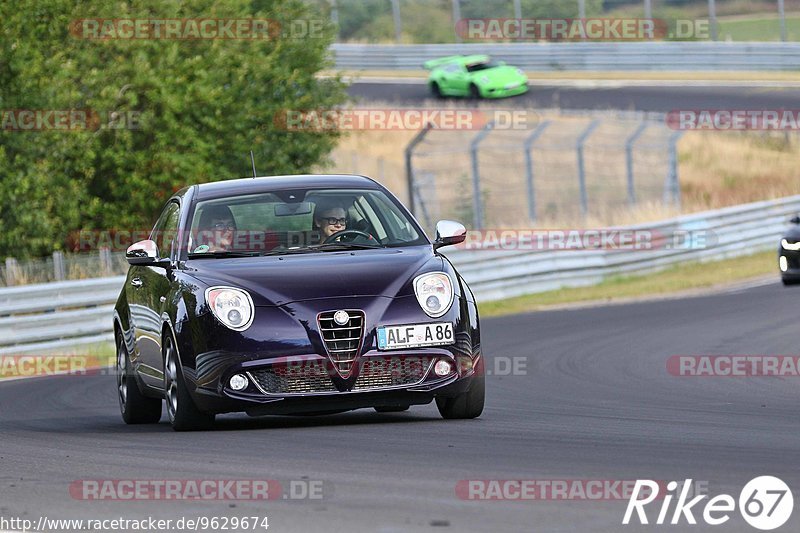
(219, 189)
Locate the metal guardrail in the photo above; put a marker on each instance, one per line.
(52, 316)
(736, 231)
(645, 56)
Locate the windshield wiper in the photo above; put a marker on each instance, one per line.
(223, 254)
(337, 246)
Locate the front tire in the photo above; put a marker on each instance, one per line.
(135, 407)
(468, 404)
(436, 90)
(182, 412)
(474, 92)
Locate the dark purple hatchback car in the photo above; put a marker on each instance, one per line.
(294, 295)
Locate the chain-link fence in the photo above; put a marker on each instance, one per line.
(564, 169)
(61, 267)
(436, 21)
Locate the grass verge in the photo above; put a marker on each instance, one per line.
(731, 76)
(685, 277)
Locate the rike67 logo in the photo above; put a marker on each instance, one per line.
(765, 503)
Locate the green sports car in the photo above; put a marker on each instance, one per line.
(475, 76)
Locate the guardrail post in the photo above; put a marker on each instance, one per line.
(58, 266)
(629, 159)
(581, 167)
(477, 201)
(12, 269)
(529, 142)
(411, 183)
(672, 189)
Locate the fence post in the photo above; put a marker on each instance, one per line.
(58, 266)
(672, 189)
(418, 138)
(105, 261)
(529, 142)
(398, 21)
(457, 18)
(629, 159)
(581, 167)
(712, 17)
(782, 16)
(335, 18)
(12, 268)
(477, 201)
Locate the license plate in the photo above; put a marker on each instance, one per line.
(415, 335)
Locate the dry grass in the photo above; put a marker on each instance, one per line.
(719, 169)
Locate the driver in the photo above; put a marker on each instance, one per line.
(329, 218)
(217, 230)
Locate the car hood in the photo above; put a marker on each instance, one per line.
(278, 280)
(793, 234)
(500, 75)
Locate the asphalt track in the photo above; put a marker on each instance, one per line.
(595, 402)
(659, 97)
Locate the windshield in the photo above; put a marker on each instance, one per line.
(299, 221)
(475, 67)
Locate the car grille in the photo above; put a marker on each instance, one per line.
(287, 379)
(392, 372)
(342, 342)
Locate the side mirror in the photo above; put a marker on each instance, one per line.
(449, 232)
(795, 220)
(145, 253)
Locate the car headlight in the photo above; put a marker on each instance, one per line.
(786, 245)
(233, 307)
(434, 293)
(520, 72)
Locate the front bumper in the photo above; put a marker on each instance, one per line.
(502, 92)
(305, 384)
(789, 265)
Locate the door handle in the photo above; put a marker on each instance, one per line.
(136, 282)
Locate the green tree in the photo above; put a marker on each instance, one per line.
(201, 105)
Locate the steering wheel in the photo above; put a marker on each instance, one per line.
(354, 232)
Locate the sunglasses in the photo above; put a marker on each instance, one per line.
(225, 226)
(331, 221)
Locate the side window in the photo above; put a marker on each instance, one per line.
(166, 229)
